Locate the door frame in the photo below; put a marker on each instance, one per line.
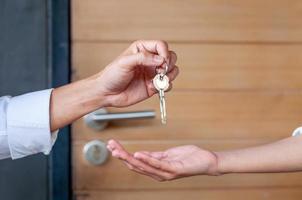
(60, 73)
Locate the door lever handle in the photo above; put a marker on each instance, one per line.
(98, 120)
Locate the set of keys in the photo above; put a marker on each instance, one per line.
(161, 83)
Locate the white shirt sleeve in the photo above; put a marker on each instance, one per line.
(297, 132)
(25, 125)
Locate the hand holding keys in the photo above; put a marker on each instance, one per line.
(161, 83)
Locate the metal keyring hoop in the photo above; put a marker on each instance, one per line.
(166, 69)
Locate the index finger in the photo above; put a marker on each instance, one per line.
(158, 164)
(135, 163)
(153, 46)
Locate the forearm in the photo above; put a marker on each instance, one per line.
(282, 156)
(74, 100)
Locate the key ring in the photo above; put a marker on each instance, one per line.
(165, 72)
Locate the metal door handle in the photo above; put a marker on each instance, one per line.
(95, 152)
(98, 120)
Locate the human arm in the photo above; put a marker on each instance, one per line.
(28, 123)
(178, 162)
(124, 82)
(280, 156)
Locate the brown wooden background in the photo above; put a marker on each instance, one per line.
(240, 85)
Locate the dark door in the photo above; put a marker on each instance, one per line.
(23, 68)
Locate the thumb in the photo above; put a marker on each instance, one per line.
(143, 59)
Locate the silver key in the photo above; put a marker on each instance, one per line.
(161, 83)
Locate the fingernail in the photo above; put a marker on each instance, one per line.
(158, 59)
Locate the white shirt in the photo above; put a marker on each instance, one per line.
(25, 125)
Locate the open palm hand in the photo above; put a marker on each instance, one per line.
(171, 164)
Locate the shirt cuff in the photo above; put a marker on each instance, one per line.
(28, 124)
